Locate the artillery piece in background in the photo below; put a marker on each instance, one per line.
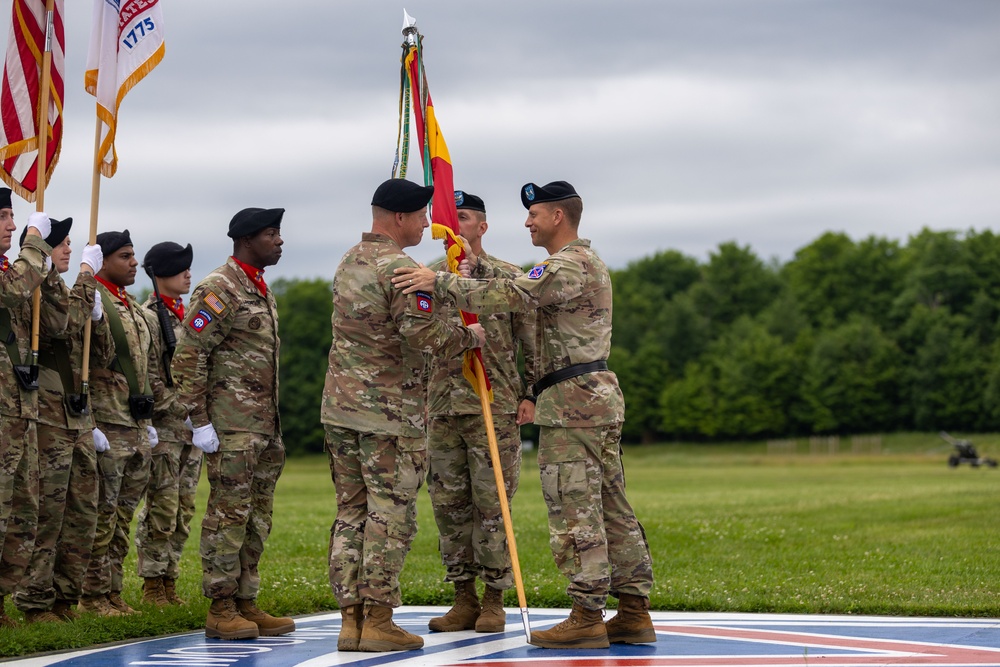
(965, 452)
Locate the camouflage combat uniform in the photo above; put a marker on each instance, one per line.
(18, 413)
(226, 372)
(165, 518)
(460, 478)
(124, 468)
(373, 411)
(596, 540)
(67, 515)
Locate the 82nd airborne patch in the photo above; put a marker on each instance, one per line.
(201, 320)
(425, 302)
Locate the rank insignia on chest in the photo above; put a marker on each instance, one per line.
(425, 302)
(537, 271)
(201, 320)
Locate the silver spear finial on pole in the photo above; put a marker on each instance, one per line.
(409, 29)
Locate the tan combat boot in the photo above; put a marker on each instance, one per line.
(115, 600)
(170, 591)
(465, 612)
(33, 616)
(352, 620)
(583, 629)
(381, 634)
(632, 624)
(97, 605)
(267, 625)
(153, 593)
(64, 610)
(224, 622)
(492, 618)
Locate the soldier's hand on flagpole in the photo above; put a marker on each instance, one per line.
(414, 278)
(154, 438)
(205, 438)
(41, 224)
(480, 333)
(525, 413)
(98, 312)
(91, 259)
(101, 443)
(465, 269)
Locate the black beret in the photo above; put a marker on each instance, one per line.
(112, 241)
(249, 221)
(5, 198)
(469, 201)
(402, 196)
(554, 191)
(60, 230)
(168, 259)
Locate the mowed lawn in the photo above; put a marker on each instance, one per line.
(731, 528)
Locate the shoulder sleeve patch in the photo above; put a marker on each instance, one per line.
(214, 302)
(537, 270)
(425, 302)
(200, 320)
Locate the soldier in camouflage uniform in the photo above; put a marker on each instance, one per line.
(596, 540)
(19, 406)
(67, 515)
(226, 374)
(460, 478)
(373, 412)
(122, 395)
(165, 518)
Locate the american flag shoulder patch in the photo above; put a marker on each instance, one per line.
(214, 302)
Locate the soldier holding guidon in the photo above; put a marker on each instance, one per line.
(67, 516)
(373, 412)
(460, 479)
(596, 540)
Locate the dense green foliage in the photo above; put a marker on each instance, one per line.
(730, 527)
(846, 337)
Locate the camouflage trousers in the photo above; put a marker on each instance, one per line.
(376, 478)
(242, 475)
(165, 518)
(67, 518)
(123, 471)
(18, 498)
(463, 490)
(596, 541)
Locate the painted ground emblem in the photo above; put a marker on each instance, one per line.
(684, 639)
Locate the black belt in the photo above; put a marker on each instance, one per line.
(555, 377)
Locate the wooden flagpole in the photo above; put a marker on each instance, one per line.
(508, 526)
(41, 166)
(95, 197)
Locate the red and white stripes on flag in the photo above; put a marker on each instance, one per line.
(20, 93)
(126, 43)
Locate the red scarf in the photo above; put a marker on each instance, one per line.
(255, 275)
(4, 263)
(116, 290)
(176, 306)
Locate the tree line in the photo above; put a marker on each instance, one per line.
(846, 337)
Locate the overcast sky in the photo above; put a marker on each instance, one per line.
(682, 123)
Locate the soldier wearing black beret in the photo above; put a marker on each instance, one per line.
(601, 549)
(165, 519)
(226, 372)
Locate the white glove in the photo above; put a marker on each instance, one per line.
(154, 439)
(93, 257)
(187, 422)
(205, 438)
(101, 443)
(48, 264)
(41, 222)
(98, 312)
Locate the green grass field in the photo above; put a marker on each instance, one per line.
(731, 528)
